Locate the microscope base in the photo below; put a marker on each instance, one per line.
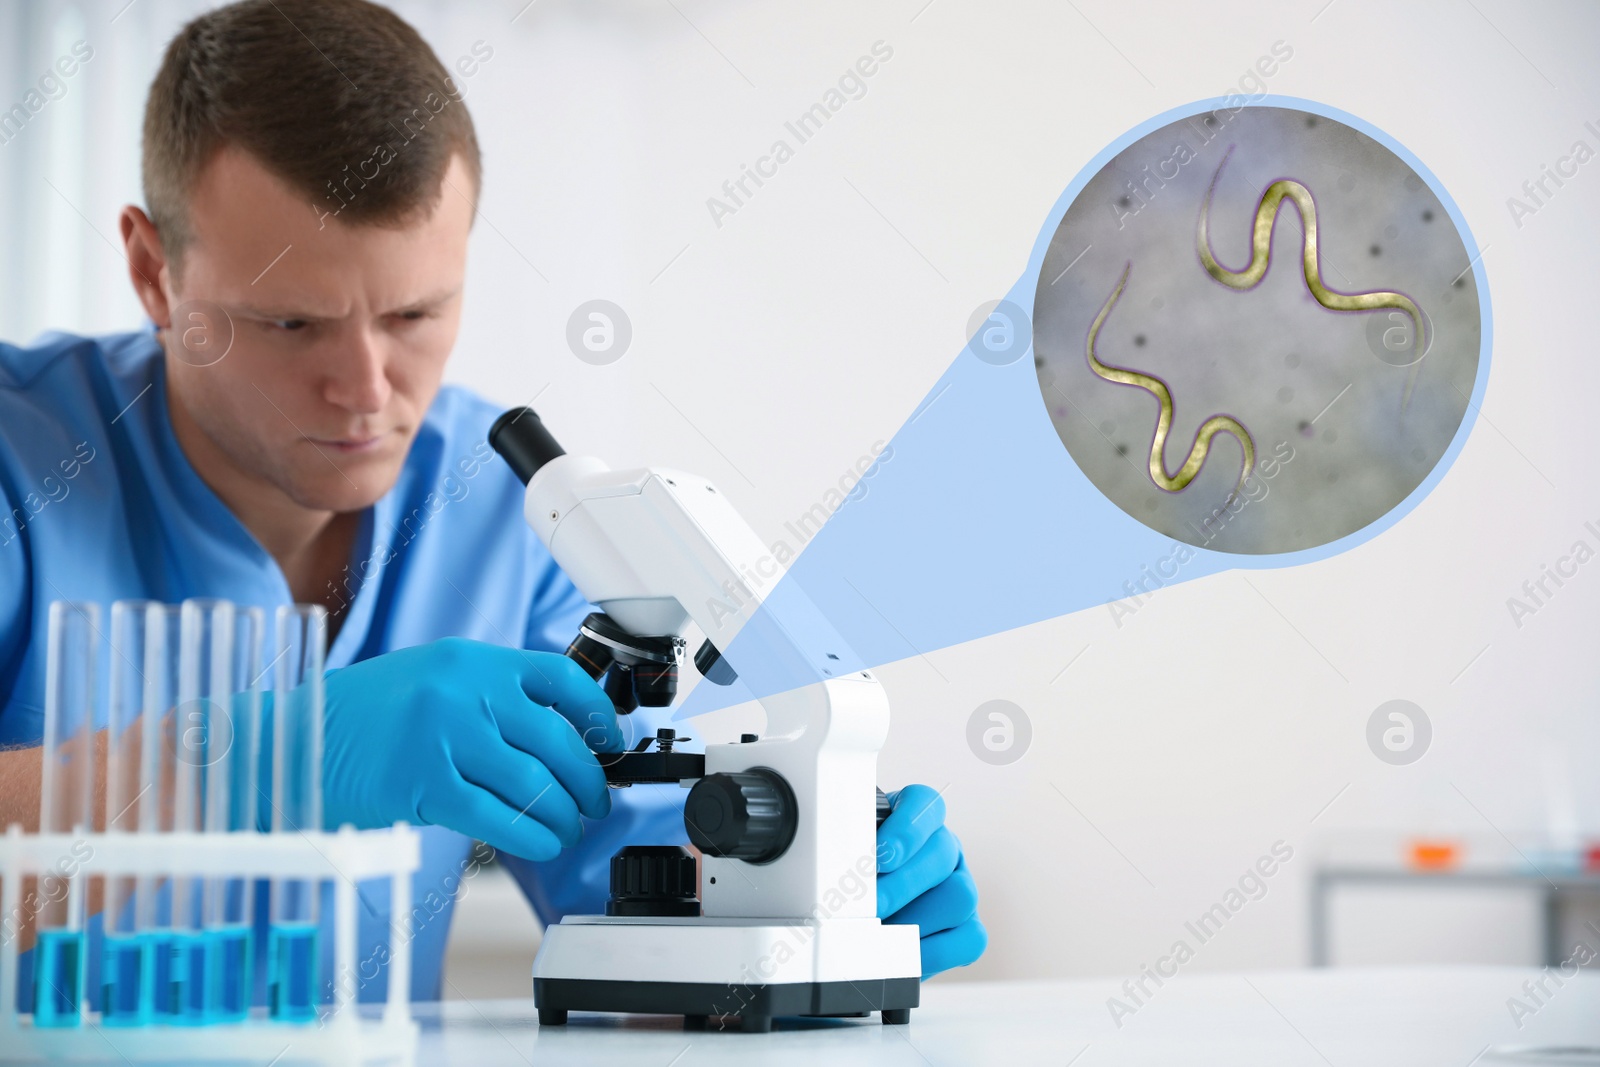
(755, 1005)
(753, 968)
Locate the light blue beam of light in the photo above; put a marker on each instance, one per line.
(976, 520)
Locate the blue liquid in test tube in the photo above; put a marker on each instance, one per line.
(124, 979)
(58, 977)
(189, 977)
(293, 952)
(230, 959)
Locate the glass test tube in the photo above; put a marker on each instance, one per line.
(191, 723)
(136, 956)
(231, 801)
(292, 946)
(64, 808)
(211, 930)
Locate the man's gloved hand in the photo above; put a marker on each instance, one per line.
(492, 742)
(923, 879)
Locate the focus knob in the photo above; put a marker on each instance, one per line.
(653, 880)
(745, 816)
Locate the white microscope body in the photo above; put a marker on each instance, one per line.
(791, 929)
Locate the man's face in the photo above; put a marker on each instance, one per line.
(339, 332)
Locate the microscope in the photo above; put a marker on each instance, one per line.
(779, 915)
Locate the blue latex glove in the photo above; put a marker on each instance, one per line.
(923, 879)
(489, 741)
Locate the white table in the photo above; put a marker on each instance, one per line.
(1355, 1017)
(1554, 890)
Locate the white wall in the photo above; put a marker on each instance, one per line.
(773, 351)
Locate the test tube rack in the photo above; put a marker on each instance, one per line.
(342, 1033)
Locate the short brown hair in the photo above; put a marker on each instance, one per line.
(340, 98)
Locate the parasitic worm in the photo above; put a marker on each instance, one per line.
(1261, 251)
(1158, 388)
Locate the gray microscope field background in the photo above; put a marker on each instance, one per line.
(1271, 357)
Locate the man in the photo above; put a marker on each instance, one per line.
(311, 175)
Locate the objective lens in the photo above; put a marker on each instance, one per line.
(656, 684)
(618, 684)
(593, 656)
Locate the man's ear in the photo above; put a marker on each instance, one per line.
(147, 264)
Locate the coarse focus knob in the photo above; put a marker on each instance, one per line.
(653, 880)
(746, 816)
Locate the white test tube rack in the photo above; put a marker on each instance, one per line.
(340, 1035)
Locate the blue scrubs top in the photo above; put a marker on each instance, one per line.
(98, 502)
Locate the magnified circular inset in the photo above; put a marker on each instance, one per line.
(1256, 330)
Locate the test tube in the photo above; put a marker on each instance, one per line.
(293, 951)
(66, 787)
(235, 695)
(191, 723)
(135, 960)
(211, 940)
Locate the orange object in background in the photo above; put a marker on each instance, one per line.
(1434, 855)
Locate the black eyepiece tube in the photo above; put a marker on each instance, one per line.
(523, 442)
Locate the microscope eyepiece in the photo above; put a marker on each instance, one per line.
(521, 439)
